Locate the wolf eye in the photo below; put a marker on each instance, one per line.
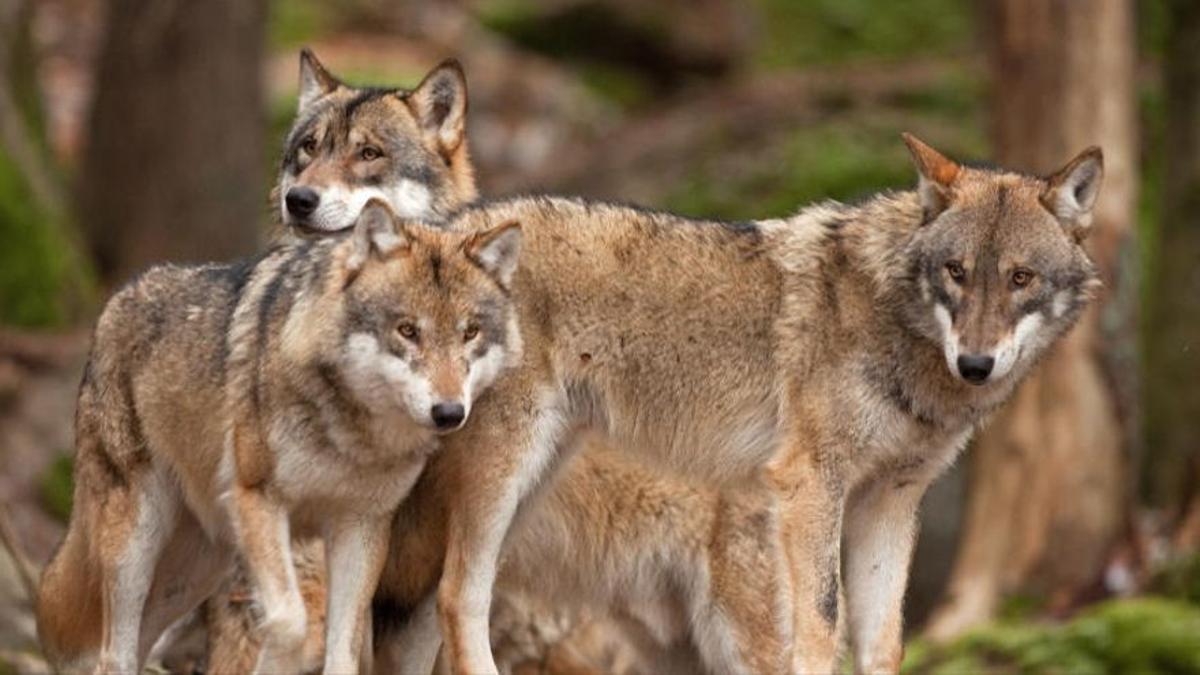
(1021, 277)
(369, 153)
(407, 330)
(471, 332)
(309, 144)
(955, 270)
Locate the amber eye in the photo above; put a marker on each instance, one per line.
(309, 145)
(471, 333)
(369, 153)
(956, 271)
(1021, 277)
(407, 330)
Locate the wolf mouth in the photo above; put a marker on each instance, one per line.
(306, 229)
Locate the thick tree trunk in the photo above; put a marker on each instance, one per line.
(1172, 341)
(1047, 495)
(175, 160)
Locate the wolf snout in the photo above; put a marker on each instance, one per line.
(302, 201)
(448, 416)
(975, 368)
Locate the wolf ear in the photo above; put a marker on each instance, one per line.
(440, 105)
(1071, 192)
(936, 173)
(496, 250)
(315, 81)
(376, 232)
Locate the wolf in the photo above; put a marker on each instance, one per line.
(705, 616)
(349, 145)
(838, 359)
(224, 407)
(684, 573)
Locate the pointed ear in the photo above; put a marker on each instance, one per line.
(315, 81)
(440, 106)
(936, 173)
(376, 232)
(496, 250)
(1071, 192)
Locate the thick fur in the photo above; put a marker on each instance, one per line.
(685, 573)
(674, 562)
(225, 406)
(810, 356)
(416, 158)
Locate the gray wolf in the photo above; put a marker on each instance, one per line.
(696, 620)
(224, 407)
(839, 359)
(685, 574)
(352, 144)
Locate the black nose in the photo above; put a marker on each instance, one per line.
(975, 369)
(302, 201)
(447, 415)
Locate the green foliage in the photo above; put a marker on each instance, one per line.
(1179, 579)
(293, 23)
(37, 273)
(813, 164)
(1143, 635)
(57, 488)
(817, 32)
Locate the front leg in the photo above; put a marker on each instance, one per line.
(880, 530)
(498, 458)
(355, 550)
(264, 534)
(811, 496)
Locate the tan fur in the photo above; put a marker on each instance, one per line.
(226, 406)
(803, 353)
(615, 555)
(573, 525)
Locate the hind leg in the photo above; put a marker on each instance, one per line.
(745, 623)
(413, 648)
(190, 569)
(136, 524)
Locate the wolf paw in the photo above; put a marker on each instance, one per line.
(285, 631)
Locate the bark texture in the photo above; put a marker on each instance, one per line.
(1173, 339)
(1047, 493)
(175, 161)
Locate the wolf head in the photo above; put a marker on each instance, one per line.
(349, 145)
(998, 264)
(427, 322)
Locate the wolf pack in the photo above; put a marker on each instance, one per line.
(713, 435)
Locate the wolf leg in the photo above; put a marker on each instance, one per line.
(137, 522)
(355, 551)
(414, 650)
(265, 539)
(811, 501)
(501, 455)
(190, 569)
(742, 625)
(881, 524)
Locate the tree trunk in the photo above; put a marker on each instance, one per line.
(175, 159)
(1173, 346)
(1046, 496)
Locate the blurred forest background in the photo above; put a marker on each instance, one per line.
(136, 131)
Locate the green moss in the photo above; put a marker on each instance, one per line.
(1180, 579)
(1144, 635)
(40, 278)
(57, 487)
(812, 32)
